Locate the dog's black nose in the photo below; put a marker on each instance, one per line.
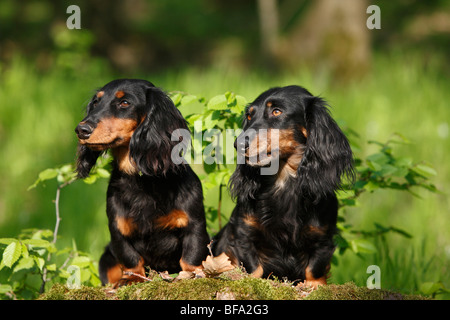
(84, 130)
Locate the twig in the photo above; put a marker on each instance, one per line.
(55, 231)
(58, 217)
(209, 248)
(130, 273)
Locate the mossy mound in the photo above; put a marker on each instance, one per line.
(230, 286)
(350, 291)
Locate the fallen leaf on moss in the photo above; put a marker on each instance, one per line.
(214, 266)
(165, 276)
(185, 275)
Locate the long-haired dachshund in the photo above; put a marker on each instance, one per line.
(283, 223)
(154, 207)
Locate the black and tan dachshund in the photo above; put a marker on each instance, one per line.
(284, 223)
(154, 206)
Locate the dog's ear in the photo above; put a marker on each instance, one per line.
(86, 159)
(151, 144)
(327, 156)
(244, 183)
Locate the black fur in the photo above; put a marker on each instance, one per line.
(283, 224)
(154, 207)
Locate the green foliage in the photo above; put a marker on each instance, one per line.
(32, 260)
(380, 170)
(216, 116)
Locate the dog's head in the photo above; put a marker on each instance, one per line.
(293, 127)
(135, 120)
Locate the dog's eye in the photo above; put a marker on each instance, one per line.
(124, 104)
(276, 112)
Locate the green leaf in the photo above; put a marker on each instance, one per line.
(39, 262)
(359, 184)
(403, 162)
(241, 101)
(211, 119)
(90, 180)
(103, 173)
(402, 232)
(424, 170)
(193, 118)
(51, 267)
(188, 99)
(25, 252)
(24, 263)
(81, 261)
(7, 240)
(5, 288)
(219, 102)
(430, 288)
(176, 98)
(377, 160)
(362, 246)
(371, 186)
(12, 253)
(48, 174)
(387, 170)
(36, 243)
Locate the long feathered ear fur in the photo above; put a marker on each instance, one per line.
(85, 161)
(151, 145)
(327, 156)
(244, 182)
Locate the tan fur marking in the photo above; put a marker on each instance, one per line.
(252, 221)
(110, 133)
(126, 226)
(129, 279)
(100, 94)
(318, 230)
(122, 157)
(304, 132)
(114, 274)
(174, 219)
(119, 94)
(258, 273)
(313, 282)
(287, 145)
(188, 267)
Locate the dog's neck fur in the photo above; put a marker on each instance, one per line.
(123, 160)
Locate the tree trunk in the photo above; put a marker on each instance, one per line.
(332, 37)
(268, 22)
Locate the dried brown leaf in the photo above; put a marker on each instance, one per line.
(183, 275)
(165, 275)
(214, 266)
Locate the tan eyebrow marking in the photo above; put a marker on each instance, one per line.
(119, 94)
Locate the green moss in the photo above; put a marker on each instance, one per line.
(61, 292)
(240, 287)
(57, 292)
(208, 289)
(350, 291)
